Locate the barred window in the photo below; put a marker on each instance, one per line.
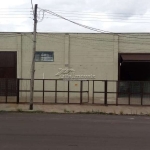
(44, 56)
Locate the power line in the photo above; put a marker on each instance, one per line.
(121, 20)
(57, 10)
(104, 17)
(84, 26)
(15, 8)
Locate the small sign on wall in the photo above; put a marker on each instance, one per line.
(44, 56)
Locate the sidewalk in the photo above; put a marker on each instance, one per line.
(64, 108)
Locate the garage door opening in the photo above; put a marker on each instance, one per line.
(134, 67)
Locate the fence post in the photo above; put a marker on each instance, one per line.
(93, 93)
(81, 92)
(55, 91)
(117, 83)
(105, 101)
(18, 88)
(88, 91)
(129, 92)
(68, 92)
(141, 92)
(6, 88)
(43, 89)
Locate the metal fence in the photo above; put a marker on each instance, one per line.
(122, 92)
(55, 91)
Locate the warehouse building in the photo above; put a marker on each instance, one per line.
(117, 57)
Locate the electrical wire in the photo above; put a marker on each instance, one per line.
(100, 20)
(84, 26)
(43, 14)
(104, 16)
(87, 12)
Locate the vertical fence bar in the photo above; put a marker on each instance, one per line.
(18, 88)
(141, 83)
(105, 94)
(117, 88)
(80, 92)
(88, 91)
(93, 93)
(56, 91)
(6, 88)
(68, 91)
(43, 90)
(129, 84)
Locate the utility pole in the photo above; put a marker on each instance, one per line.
(33, 59)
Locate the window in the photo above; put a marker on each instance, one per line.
(44, 56)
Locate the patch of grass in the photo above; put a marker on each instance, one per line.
(19, 110)
(3, 111)
(34, 111)
(66, 111)
(93, 112)
(111, 114)
(121, 112)
(53, 112)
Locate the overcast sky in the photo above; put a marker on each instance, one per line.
(108, 15)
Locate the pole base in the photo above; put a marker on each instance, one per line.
(31, 107)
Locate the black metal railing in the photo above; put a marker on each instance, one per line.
(124, 92)
(98, 92)
(56, 91)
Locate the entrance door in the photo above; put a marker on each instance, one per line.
(8, 73)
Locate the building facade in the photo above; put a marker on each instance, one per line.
(106, 56)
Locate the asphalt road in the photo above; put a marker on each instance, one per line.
(23, 131)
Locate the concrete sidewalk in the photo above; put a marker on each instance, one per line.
(64, 108)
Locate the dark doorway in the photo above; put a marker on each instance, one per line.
(135, 71)
(134, 67)
(8, 64)
(8, 73)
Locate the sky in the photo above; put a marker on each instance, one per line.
(116, 16)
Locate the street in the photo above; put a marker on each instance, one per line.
(35, 131)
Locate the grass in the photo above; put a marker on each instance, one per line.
(65, 111)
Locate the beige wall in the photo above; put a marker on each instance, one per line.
(87, 53)
(134, 43)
